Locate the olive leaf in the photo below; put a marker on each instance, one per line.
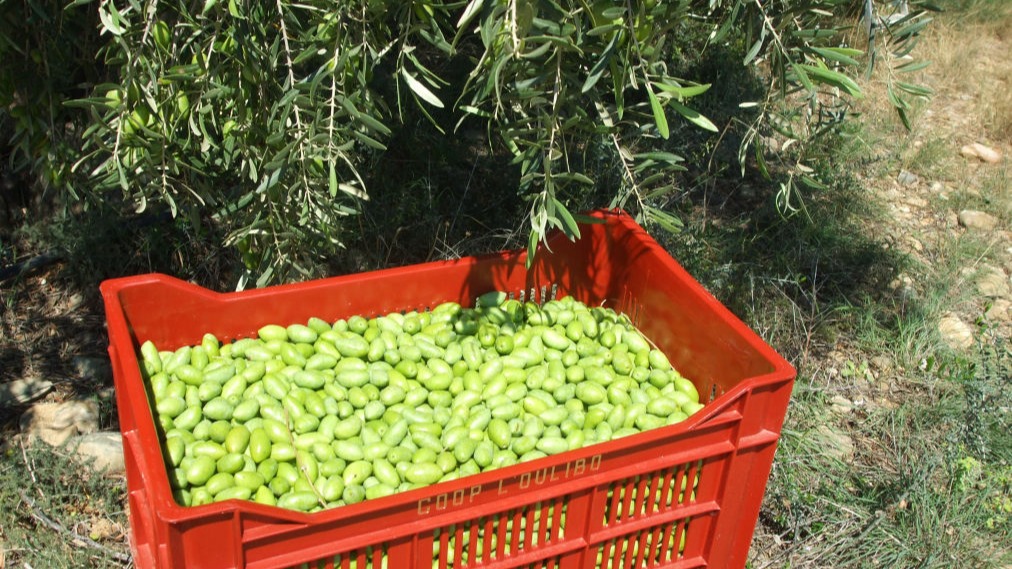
(265, 118)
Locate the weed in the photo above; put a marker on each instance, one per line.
(899, 504)
(927, 483)
(58, 513)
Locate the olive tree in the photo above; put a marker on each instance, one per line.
(261, 116)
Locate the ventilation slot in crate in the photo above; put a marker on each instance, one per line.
(650, 493)
(550, 563)
(651, 547)
(499, 536)
(365, 558)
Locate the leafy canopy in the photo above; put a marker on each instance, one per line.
(261, 117)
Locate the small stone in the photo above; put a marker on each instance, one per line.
(907, 178)
(840, 405)
(937, 187)
(93, 369)
(883, 364)
(992, 282)
(904, 285)
(973, 219)
(104, 528)
(22, 391)
(957, 334)
(74, 301)
(54, 423)
(981, 152)
(999, 311)
(835, 444)
(988, 154)
(102, 451)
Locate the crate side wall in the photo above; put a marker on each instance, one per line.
(619, 265)
(523, 488)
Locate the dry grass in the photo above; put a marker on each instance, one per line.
(901, 499)
(971, 75)
(971, 68)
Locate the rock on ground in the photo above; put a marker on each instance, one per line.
(1000, 311)
(992, 282)
(981, 152)
(840, 405)
(973, 219)
(835, 443)
(22, 391)
(907, 178)
(957, 334)
(98, 370)
(54, 423)
(102, 451)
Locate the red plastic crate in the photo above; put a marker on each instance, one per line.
(628, 503)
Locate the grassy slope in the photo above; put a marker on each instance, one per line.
(896, 450)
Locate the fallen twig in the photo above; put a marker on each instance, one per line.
(40, 516)
(28, 464)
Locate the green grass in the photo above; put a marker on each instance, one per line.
(57, 513)
(818, 288)
(928, 482)
(928, 485)
(924, 481)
